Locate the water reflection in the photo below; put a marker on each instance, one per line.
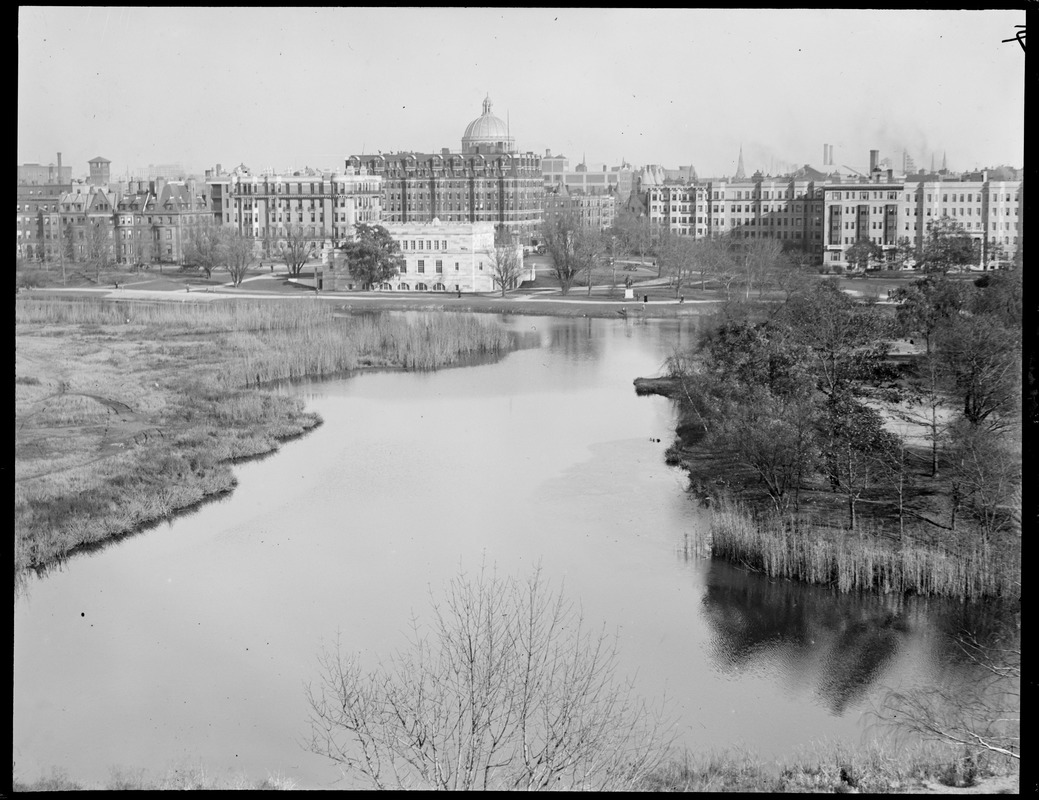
(843, 646)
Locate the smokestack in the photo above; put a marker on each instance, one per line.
(874, 158)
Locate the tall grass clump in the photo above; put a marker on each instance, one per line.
(175, 316)
(428, 342)
(788, 547)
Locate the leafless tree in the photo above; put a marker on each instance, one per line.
(99, 248)
(983, 715)
(296, 245)
(506, 689)
(239, 253)
(506, 265)
(574, 248)
(203, 247)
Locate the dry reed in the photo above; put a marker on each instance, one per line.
(797, 549)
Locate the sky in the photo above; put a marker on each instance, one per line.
(285, 88)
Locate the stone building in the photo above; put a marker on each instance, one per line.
(39, 192)
(486, 181)
(267, 207)
(439, 257)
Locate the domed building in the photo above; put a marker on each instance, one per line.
(489, 180)
(487, 133)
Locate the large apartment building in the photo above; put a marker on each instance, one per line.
(487, 181)
(268, 207)
(824, 215)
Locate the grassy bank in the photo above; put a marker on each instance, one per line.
(126, 412)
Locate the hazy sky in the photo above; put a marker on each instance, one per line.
(297, 87)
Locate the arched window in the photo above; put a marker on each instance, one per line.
(386, 287)
(421, 287)
(403, 287)
(439, 287)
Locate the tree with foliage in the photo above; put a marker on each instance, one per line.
(987, 474)
(926, 304)
(856, 450)
(239, 254)
(296, 245)
(505, 689)
(506, 262)
(906, 252)
(1002, 295)
(863, 253)
(982, 356)
(948, 247)
(846, 339)
(373, 257)
(99, 250)
(573, 247)
(204, 247)
(633, 232)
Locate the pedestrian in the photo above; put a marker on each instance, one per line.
(645, 299)
(681, 299)
(459, 294)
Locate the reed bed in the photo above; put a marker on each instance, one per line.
(197, 317)
(797, 549)
(427, 342)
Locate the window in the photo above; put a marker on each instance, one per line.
(440, 265)
(421, 265)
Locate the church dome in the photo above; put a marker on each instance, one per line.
(487, 130)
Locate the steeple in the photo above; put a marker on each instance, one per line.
(740, 174)
(487, 104)
(944, 168)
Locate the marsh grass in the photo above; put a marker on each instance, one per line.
(879, 767)
(186, 379)
(795, 548)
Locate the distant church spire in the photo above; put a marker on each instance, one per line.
(944, 168)
(740, 174)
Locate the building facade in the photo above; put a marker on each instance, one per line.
(439, 257)
(39, 193)
(595, 211)
(487, 181)
(824, 215)
(268, 207)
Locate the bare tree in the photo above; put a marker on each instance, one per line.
(574, 249)
(980, 716)
(506, 265)
(758, 260)
(203, 247)
(507, 689)
(296, 245)
(239, 253)
(99, 248)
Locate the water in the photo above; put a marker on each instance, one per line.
(191, 644)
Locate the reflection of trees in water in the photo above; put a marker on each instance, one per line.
(842, 644)
(577, 340)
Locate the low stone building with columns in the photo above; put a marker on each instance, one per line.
(438, 257)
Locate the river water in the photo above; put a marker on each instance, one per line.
(189, 645)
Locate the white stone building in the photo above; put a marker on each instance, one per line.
(447, 257)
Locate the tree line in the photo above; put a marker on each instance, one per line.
(798, 399)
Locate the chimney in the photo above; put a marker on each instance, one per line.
(874, 157)
(890, 176)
